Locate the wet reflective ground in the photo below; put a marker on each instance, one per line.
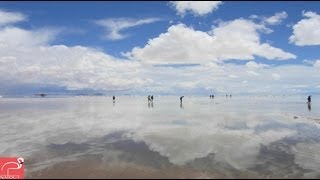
(90, 137)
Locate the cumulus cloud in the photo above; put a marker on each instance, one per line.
(317, 64)
(27, 56)
(238, 39)
(306, 32)
(11, 17)
(254, 65)
(275, 19)
(198, 8)
(13, 37)
(114, 26)
(222, 78)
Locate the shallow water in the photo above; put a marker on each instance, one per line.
(90, 137)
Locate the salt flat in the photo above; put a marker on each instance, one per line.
(238, 137)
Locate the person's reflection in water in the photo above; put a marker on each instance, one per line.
(309, 106)
(150, 104)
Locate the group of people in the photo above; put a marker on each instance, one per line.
(150, 101)
(150, 98)
(309, 99)
(229, 95)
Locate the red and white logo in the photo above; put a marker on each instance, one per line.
(11, 168)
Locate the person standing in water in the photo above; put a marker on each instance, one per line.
(181, 99)
(114, 99)
(181, 106)
(150, 101)
(309, 99)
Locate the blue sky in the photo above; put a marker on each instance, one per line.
(138, 58)
(78, 16)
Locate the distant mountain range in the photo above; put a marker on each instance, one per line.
(49, 90)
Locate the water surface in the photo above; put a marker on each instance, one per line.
(91, 137)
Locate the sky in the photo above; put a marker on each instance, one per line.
(176, 47)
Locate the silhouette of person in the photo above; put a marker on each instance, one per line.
(212, 96)
(309, 99)
(149, 98)
(113, 98)
(181, 99)
(152, 98)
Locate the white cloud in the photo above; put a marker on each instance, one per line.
(238, 39)
(306, 61)
(233, 76)
(223, 77)
(317, 64)
(254, 65)
(253, 73)
(306, 31)
(11, 17)
(26, 56)
(276, 76)
(276, 19)
(254, 16)
(198, 8)
(16, 37)
(114, 26)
